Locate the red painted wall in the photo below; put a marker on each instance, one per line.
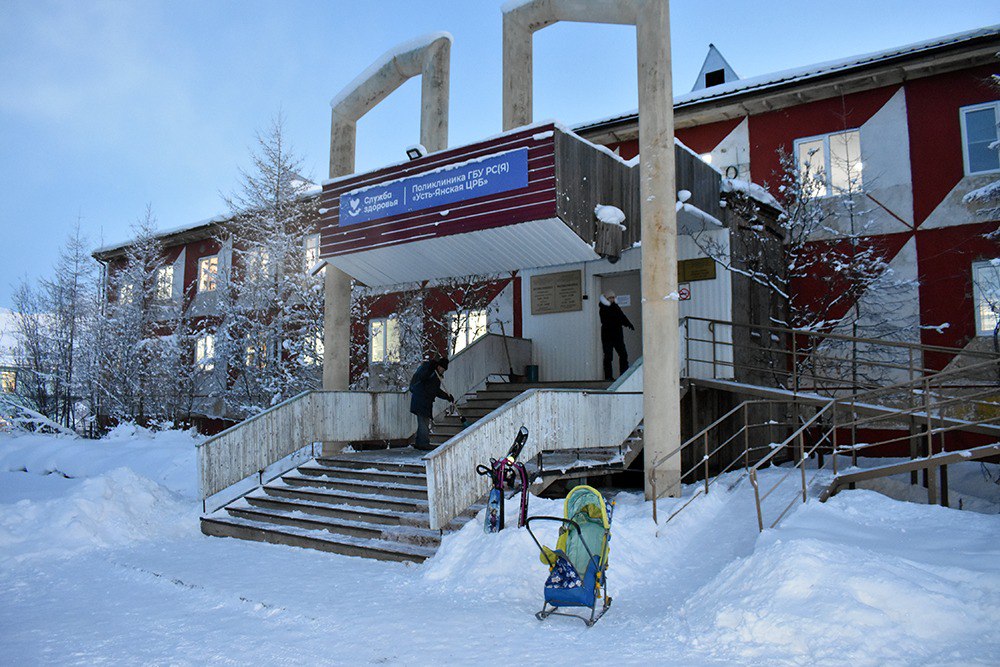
(932, 109)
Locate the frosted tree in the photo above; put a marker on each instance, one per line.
(271, 306)
(51, 333)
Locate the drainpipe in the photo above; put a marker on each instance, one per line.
(428, 57)
(660, 304)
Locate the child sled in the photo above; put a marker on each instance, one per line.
(578, 566)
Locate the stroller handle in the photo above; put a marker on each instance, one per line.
(559, 519)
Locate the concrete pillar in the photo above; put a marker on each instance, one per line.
(428, 57)
(661, 368)
(657, 192)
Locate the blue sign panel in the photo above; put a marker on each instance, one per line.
(454, 183)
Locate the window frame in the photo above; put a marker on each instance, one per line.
(204, 352)
(389, 355)
(166, 269)
(962, 111)
(8, 381)
(977, 294)
(201, 274)
(464, 329)
(828, 188)
(306, 250)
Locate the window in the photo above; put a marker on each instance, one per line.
(208, 273)
(715, 77)
(311, 248)
(466, 328)
(986, 295)
(256, 261)
(204, 352)
(979, 137)
(165, 283)
(126, 293)
(8, 381)
(256, 356)
(832, 161)
(383, 340)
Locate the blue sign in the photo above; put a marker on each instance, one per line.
(454, 183)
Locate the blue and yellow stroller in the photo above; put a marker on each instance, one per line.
(578, 566)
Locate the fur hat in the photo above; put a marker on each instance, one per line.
(442, 362)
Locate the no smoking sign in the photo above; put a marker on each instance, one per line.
(684, 292)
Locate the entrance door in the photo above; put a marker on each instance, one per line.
(628, 288)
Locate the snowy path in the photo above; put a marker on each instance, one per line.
(111, 569)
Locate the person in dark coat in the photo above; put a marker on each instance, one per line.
(612, 337)
(425, 386)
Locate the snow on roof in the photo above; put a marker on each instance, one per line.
(385, 59)
(807, 72)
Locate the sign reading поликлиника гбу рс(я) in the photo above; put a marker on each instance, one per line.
(476, 178)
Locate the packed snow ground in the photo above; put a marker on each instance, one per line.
(108, 565)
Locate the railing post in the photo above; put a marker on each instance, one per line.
(706, 462)
(802, 461)
(795, 365)
(834, 431)
(756, 497)
(932, 497)
(711, 327)
(746, 435)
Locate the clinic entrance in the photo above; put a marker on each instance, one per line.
(627, 287)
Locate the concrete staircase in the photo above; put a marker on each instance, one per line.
(371, 504)
(485, 401)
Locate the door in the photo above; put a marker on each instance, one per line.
(628, 288)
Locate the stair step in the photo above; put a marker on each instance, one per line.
(345, 512)
(562, 384)
(371, 488)
(364, 474)
(406, 463)
(298, 519)
(248, 529)
(331, 497)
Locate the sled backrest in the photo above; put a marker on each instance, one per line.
(586, 507)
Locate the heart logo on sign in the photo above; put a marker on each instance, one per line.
(355, 207)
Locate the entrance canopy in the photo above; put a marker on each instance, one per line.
(525, 199)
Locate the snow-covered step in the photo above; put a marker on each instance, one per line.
(375, 488)
(304, 491)
(248, 529)
(296, 518)
(361, 461)
(364, 474)
(340, 511)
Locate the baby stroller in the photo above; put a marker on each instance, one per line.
(578, 566)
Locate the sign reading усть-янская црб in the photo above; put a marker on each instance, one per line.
(454, 183)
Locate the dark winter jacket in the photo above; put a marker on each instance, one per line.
(612, 320)
(425, 387)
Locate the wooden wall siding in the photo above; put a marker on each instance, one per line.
(703, 182)
(535, 202)
(587, 177)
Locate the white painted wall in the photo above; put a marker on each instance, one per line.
(566, 346)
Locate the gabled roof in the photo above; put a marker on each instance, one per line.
(802, 74)
(714, 62)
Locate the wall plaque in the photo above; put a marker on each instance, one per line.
(690, 270)
(556, 293)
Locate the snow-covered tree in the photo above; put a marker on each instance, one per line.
(269, 335)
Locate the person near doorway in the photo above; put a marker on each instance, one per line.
(613, 320)
(425, 386)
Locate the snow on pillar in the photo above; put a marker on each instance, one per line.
(428, 56)
(661, 369)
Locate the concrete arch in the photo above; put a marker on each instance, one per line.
(429, 57)
(660, 311)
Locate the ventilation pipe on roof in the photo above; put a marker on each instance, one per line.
(429, 57)
(660, 307)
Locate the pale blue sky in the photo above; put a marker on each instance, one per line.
(108, 106)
